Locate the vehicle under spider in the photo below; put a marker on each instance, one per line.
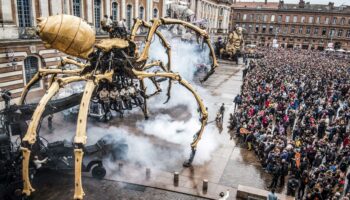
(59, 154)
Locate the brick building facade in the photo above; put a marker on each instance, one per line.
(216, 12)
(21, 51)
(302, 25)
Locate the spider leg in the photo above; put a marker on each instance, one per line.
(44, 72)
(139, 23)
(204, 34)
(203, 111)
(168, 51)
(37, 77)
(31, 135)
(154, 64)
(158, 89)
(144, 109)
(80, 136)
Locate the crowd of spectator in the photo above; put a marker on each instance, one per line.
(293, 111)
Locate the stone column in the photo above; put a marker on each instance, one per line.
(108, 8)
(149, 10)
(163, 8)
(123, 9)
(136, 15)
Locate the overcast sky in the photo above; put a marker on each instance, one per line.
(336, 2)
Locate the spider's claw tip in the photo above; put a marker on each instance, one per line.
(167, 100)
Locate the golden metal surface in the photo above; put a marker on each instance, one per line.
(31, 134)
(27, 187)
(78, 189)
(80, 136)
(107, 44)
(235, 42)
(67, 33)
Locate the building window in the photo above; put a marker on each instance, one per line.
(311, 20)
(257, 29)
(115, 11)
(340, 33)
(31, 67)
(326, 21)
(251, 17)
(316, 31)
(76, 8)
(295, 19)
(250, 28)
(220, 23)
(302, 19)
(141, 12)
(342, 21)
(155, 13)
(128, 16)
(97, 6)
(221, 11)
(324, 31)
(24, 13)
(257, 18)
(292, 30)
(279, 19)
(285, 30)
(308, 30)
(271, 29)
(347, 34)
(334, 20)
(301, 30)
(238, 16)
(263, 29)
(272, 18)
(331, 33)
(287, 18)
(318, 20)
(244, 17)
(265, 18)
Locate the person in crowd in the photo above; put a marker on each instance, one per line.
(296, 105)
(104, 100)
(122, 28)
(272, 195)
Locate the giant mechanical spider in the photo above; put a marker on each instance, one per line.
(114, 61)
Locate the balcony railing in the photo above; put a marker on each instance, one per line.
(27, 33)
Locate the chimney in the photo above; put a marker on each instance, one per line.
(265, 2)
(331, 5)
(301, 4)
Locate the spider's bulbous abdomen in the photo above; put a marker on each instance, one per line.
(67, 33)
